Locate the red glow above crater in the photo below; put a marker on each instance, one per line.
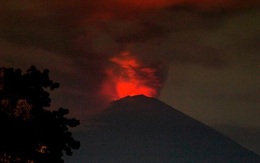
(127, 77)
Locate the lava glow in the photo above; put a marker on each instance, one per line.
(128, 76)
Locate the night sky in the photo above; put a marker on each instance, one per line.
(201, 57)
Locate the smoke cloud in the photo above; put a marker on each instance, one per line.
(127, 76)
(87, 40)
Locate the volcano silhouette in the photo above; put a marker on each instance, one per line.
(142, 129)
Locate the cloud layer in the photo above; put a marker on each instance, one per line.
(76, 39)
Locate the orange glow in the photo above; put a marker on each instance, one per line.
(127, 76)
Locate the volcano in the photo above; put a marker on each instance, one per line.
(142, 129)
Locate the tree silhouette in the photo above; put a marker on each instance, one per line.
(29, 131)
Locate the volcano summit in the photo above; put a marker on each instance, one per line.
(142, 129)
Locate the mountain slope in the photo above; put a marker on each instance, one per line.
(141, 129)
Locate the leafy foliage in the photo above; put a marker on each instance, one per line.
(29, 131)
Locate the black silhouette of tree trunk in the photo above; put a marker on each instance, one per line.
(29, 131)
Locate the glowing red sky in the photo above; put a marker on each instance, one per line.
(128, 76)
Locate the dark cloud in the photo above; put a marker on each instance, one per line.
(75, 39)
(54, 24)
(146, 31)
